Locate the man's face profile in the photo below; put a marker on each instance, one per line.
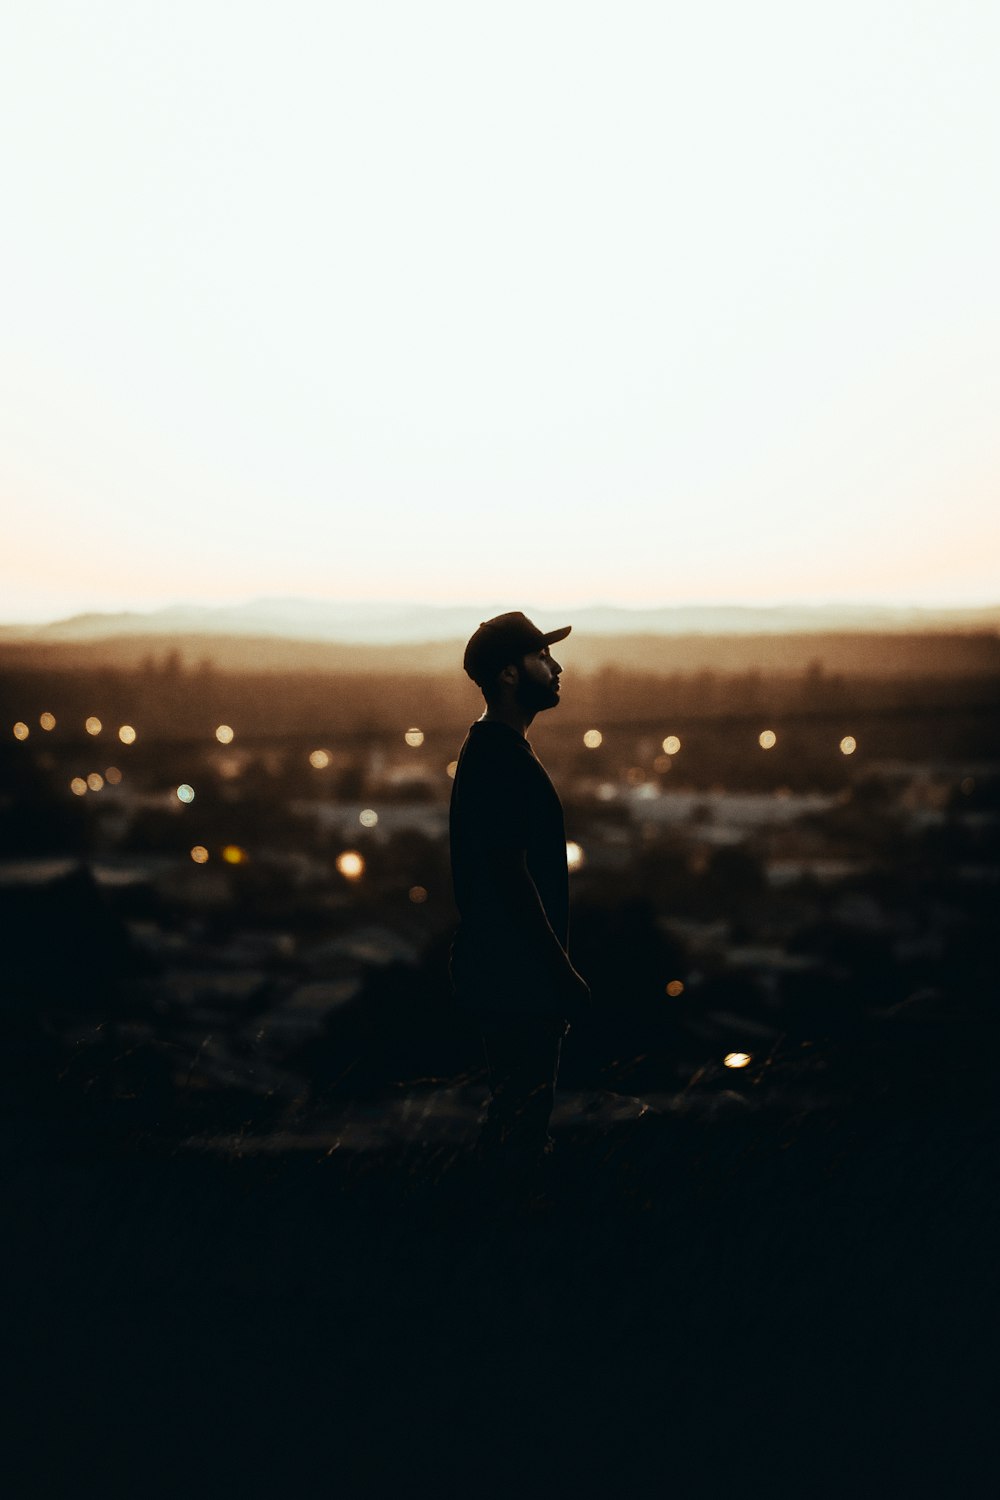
(537, 681)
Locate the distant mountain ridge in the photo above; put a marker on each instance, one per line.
(374, 623)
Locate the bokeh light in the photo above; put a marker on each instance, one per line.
(127, 734)
(848, 745)
(319, 759)
(224, 734)
(78, 786)
(662, 763)
(185, 793)
(451, 768)
(592, 738)
(233, 854)
(574, 855)
(48, 721)
(93, 725)
(414, 738)
(671, 745)
(113, 776)
(368, 817)
(736, 1059)
(350, 864)
(767, 739)
(199, 854)
(95, 781)
(21, 730)
(675, 987)
(418, 895)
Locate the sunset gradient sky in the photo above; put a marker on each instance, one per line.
(633, 303)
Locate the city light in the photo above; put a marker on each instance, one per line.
(234, 855)
(736, 1059)
(368, 818)
(199, 854)
(78, 786)
(319, 759)
(418, 895)
(350, 864)
(185, 793)
(113, 776)
(592, 738)
(574, 855)
(414, 738)
(675, 987)
(671, 745)
(848, 745)
(93, 725)
(48, 721)
(21, 730)
(635, 775)
(767, 739)
(95, 781)
(127, 734)
(451, 768)
(662, 763)
(224, 734)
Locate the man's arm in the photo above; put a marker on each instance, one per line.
(521, 907)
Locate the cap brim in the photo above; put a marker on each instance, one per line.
(556, 635)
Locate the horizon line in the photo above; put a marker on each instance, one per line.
(852, 605)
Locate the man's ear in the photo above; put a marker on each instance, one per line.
(509, 674)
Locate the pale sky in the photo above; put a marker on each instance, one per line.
(629, 303)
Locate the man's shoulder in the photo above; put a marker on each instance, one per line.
(488, 740)
(493, 774)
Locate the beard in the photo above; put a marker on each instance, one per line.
(533, 697)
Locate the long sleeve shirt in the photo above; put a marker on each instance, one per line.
(509, 873)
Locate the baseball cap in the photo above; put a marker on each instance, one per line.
(505, 639)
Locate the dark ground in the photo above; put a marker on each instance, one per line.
(785, 1286)
(755, 1301)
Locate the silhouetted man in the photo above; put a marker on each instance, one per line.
(509, 963)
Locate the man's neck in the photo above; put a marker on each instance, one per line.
(511, 715)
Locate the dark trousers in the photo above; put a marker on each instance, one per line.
(522, 1057)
